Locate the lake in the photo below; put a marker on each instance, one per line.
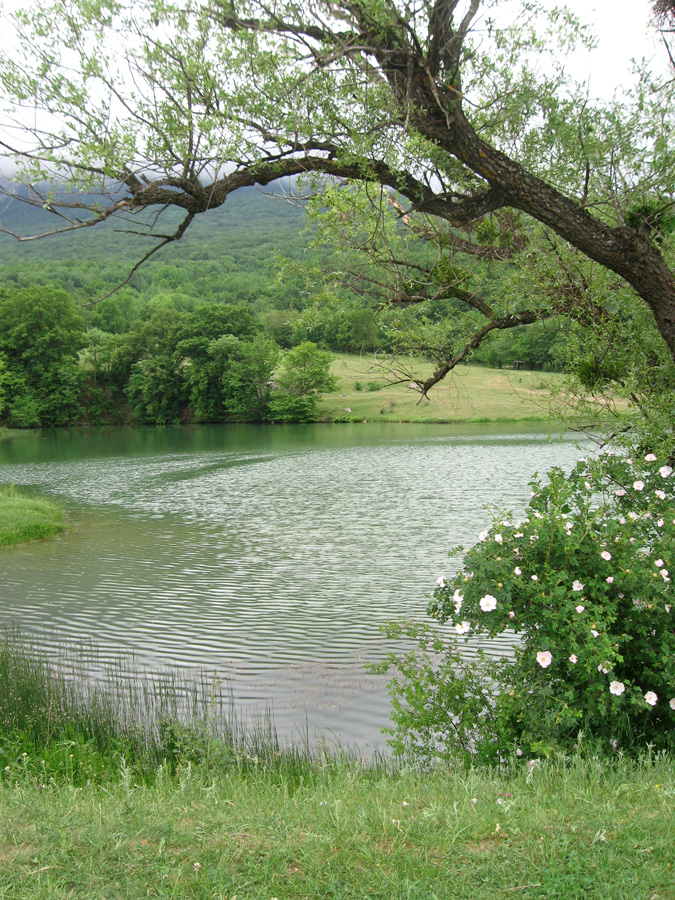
(269, 555)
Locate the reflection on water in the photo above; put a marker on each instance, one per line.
(269, 554)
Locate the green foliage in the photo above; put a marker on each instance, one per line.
(303, 376)
(583, 585)
(41, 334)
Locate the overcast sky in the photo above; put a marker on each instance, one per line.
(624, 32)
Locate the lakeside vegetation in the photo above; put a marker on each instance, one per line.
(25, 518)
(97, 802)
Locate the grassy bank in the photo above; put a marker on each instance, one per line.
(24, 518)
(560, 831)
(105, 796)
(469, 394)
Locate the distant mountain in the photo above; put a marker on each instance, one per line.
(267, 213)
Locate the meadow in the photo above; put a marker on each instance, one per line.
(470, 394)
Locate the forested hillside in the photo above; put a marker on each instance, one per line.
(151, 352)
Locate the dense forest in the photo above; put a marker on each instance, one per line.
(232, 323)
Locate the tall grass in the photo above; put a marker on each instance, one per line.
(72, 716)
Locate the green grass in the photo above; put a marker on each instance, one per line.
(562, 831)
(24, 518)
(119, 789)
(471, 394)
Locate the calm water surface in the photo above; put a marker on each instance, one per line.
(270, 555)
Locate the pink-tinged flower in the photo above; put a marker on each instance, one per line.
(664, 574)
(574, 659)
(518, 570)
(668, 607)
(650, 457)
(577, 586)
(544, 658)
(606, 555)
(459, 599)
(603, 667)
(512, 615)
(617, 688)
(639, 485)
(610, 579)
(660, 494)
(535, 578)
(462, 627)
(629, 461)
(519, 752)
(499, 539)
(659, 523)
(651, 698)
(441, 581)
(483, 536)
(672, 703)
(488, 603)
(658, 563)
(594, 632)
(620, 492)
(580, 608)
(665, 471)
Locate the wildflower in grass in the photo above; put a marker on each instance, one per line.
(462, 627)
(620, 492)
(668, 607)
(535, 578)
(660, 494)
(651, 698)
(665, 471)
(658, 563)
(659, 522)
(488, 603)
(650, 457)
(580, 608)
(577, 585)
(512, 615)
(672, 703)
(603, 668)
(519, 752)
(574, 659)
(594, 632)
(544, 658)
(639, 485)
(606, 555)
(518, 571)
(610, 579)
(617, 688)
(499, 539)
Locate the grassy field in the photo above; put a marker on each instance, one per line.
(469, 394)
(556, 831)
(24, 518)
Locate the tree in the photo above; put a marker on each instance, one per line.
(467, 127)
(303, 376)
(41, 334)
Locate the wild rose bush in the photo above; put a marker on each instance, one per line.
(584, 583)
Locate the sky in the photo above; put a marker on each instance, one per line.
(624, 32)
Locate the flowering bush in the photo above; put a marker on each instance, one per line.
(584, 583)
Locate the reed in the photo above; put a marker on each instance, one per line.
(71, 715)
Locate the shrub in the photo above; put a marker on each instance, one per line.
(583, 584)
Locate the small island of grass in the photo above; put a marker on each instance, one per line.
(24, 518)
